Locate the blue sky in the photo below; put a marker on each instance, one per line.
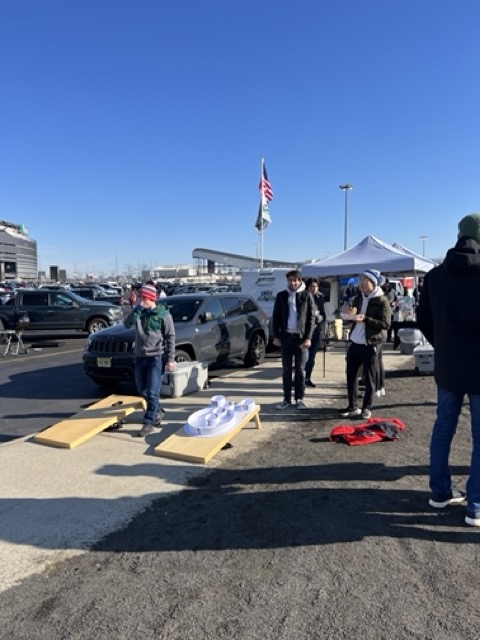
(131, 131)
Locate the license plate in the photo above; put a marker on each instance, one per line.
(104, 362)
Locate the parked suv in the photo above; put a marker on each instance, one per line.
(208, 327)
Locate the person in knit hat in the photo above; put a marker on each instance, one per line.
(448, 315)
(371, 318)
(154, 351)
(469, 227)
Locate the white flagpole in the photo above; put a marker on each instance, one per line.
(262, 205)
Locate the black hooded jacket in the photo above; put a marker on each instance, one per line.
(449, 317)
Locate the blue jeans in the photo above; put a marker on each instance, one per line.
(449, 405)
(148, 378)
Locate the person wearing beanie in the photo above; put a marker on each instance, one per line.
(154, 351)
(371, 318)
(448, 315)
(293, 324)
(469, 227)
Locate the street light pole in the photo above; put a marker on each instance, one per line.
(423, 238)
(345, 188)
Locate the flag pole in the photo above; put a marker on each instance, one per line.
(262, 160)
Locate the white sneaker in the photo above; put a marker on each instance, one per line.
(283, 405)
(380, 393)
(366, 414)
(301, 405)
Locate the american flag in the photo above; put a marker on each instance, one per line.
(264, 185)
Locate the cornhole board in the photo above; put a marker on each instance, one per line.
(182, 446)
(71, 432)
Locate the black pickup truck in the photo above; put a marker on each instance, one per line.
(61, 309)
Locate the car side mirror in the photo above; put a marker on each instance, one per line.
(206, 317)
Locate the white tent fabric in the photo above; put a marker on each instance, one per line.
(369, 253)
(401, 247)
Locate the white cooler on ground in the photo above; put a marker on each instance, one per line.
(188, 377)
(424, 358)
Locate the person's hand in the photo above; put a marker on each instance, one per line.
(306, 344)
(359, 318)
(276, 342)
(170, 365)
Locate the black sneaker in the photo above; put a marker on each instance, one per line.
(350, 412)
(146, 430)
(309, 383)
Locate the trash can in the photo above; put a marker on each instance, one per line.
(409, 339)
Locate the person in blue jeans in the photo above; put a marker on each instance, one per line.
(154, 351)
(448, 315)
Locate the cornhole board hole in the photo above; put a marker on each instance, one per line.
(182, 446)
(71, 432)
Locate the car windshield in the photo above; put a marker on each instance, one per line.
(182, 309)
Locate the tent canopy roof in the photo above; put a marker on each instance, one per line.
(370, 253)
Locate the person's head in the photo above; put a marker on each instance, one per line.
(148, 296)
(469, 226)
(294, 279)
(313, 285)
(369, 280)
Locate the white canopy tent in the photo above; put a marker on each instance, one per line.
(370, 253)
(399, 246)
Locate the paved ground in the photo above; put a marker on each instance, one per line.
(286, 535)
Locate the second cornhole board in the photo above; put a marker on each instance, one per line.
(105, 413)
(182, 446)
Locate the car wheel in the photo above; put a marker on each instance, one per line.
(182, 356)
(96, 324)
(255, 351)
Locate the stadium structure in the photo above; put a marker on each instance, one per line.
(18, 253)
(208, 261)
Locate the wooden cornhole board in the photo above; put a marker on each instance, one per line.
(72, 431)
(183, 446)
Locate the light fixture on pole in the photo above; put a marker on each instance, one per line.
(423, 238)
(345, 188)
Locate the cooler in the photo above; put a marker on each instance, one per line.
(409, 339)
(188, 377)
(424, 358)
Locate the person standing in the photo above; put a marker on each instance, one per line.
(313, 287)
(293, 323)
(154, 351)
(132, 297)
(448, 316)
(371, 319)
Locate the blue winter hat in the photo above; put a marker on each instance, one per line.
(374, 276)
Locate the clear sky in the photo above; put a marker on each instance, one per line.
(131, 130)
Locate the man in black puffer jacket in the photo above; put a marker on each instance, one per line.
(449, 317)
(293, 322)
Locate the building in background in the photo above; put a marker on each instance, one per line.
(18, 253)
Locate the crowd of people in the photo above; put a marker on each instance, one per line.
(299, 321)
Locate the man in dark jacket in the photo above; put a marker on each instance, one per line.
(371, 317)
(313, 287)
(449, 317)
(293, 323)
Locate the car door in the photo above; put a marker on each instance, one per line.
(235, 324)
(35, 304)
(63, 312)
(212, 336)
